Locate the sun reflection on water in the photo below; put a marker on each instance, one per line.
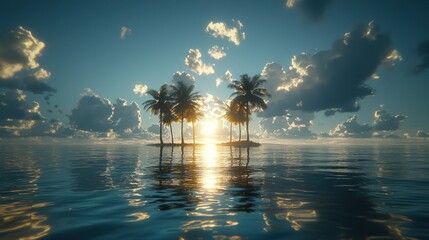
(209, 176)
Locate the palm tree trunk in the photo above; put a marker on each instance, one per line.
(160, 128)
(247, 120)
(181, 129)
(239, 132)
(171, 133)
(230, 133)
(193, 132)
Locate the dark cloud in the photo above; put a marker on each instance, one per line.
(20, 118)
(28, 83)
(37, 86)
(313, 9)
(423, 52)
(126, 117)
(333, 80)
(96, 117)
(92, 113)
(13, 106)
(421, 134)
(154, 128)
(385, 122)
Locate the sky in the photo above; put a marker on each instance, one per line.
(334, 68)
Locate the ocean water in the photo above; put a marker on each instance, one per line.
(120, 191)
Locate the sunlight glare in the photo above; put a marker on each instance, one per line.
(209, 127)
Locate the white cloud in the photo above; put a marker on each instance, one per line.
(124, 32)
(140, 89)
(351, 128)
(184, 77)
(217, 52)
(226, 77)
(18, 50)
(42, 74)
(294, 124)
(194, 62)
(220, 29)
(384, 126)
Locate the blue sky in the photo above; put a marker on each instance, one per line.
(84, 49)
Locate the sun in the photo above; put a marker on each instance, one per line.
(208, 127)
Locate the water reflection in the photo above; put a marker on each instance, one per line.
(20, 216)
(207, 192)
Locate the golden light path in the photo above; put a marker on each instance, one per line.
(210, 177)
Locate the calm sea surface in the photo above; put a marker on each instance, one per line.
(95, 191)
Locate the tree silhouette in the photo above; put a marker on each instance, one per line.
(194, 114)
(184, 100)
(250, 93)
(234, 114)
(168, 118)
(160, 104)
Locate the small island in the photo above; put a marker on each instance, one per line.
(179, 103)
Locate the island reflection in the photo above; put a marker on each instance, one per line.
(205, 191)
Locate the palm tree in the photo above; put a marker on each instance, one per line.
(193, 115)
(250, 93)
(235, 114)
(184, 99)
(229, 115)
(160, 104)
(168, 118)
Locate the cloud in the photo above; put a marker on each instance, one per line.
(36, 84)
(19, 118)
(332, 80)
(13, 106)
(217, 52)
(384, 126)
(293, 125)
(194, 62)
(154, 128)
(351, 128)
(42, 74)
(423, 52)
(313, 9)
(385, 122)
(92, 113)
(126, 117)
(100, 118)
(184, 77)
(124, 32)
(140, 89)
(18, 50)
(421, 134)
(226, 77)
(220, 29)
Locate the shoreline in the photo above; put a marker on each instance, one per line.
(231, 144)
